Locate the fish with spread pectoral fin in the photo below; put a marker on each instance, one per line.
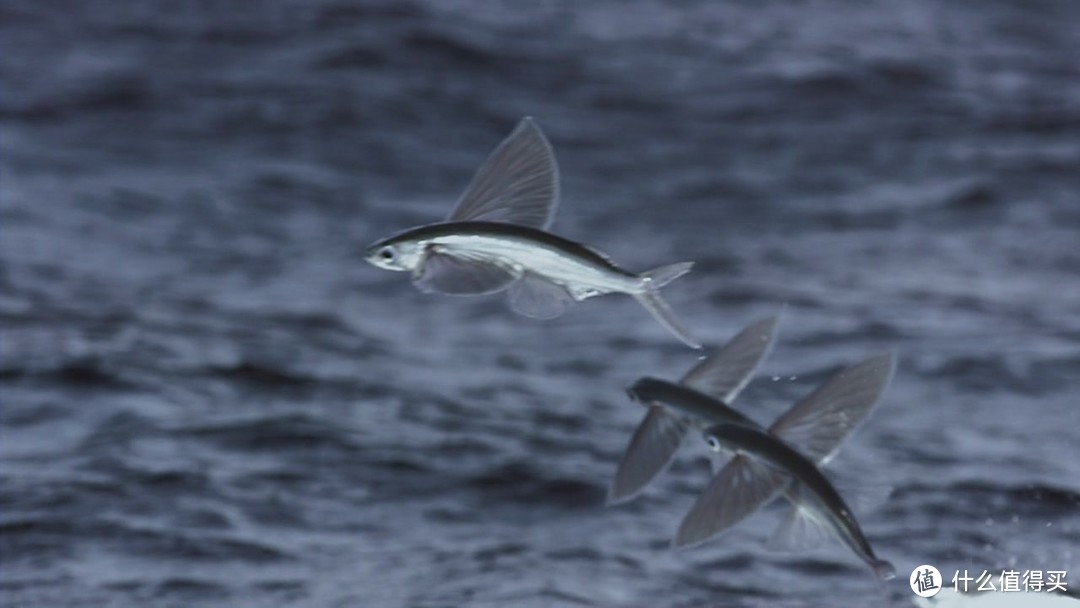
(814, 494)
(496, 239)
(815, 426)
(705, 392)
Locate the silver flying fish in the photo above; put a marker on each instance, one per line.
(815, 427)
(814, 495)
(496, 239)
(700, 398)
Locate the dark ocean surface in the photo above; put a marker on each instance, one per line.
(207, 398)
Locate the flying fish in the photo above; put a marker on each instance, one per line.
(496, 239)
(814, 496)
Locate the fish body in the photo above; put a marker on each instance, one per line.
(699, 409)
(700, 398)
(820, 497)
(496, 239)
(814, 426)
(517, 250)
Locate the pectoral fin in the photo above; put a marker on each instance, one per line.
(819, 423)
(727, 371)
(517, 184)
(461, 276)
(651, 450)
(536, 297)
(740, 489)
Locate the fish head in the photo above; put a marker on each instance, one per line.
(396, 255)
(646, 391)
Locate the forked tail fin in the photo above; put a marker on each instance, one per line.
(657, 307)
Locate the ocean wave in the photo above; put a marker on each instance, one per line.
(523, 483)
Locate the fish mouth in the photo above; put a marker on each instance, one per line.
(639, 391)
(371, 256)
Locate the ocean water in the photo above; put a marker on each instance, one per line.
(207, 398)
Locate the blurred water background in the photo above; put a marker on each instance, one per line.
(208, 399)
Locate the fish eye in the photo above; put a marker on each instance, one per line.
(713, 443)
(387, 253)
